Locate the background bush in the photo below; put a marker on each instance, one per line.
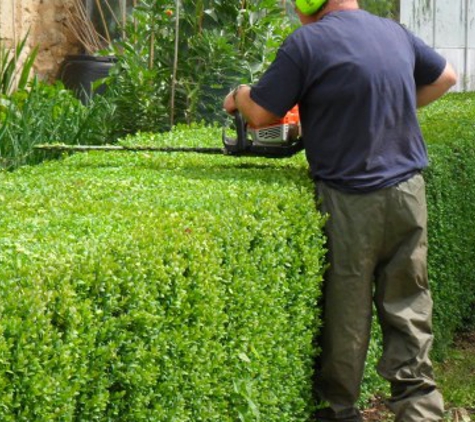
(33, 112)
(42, 113)
(219, 45)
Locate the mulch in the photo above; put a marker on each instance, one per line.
(377, 411)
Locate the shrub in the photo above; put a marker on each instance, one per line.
(153, 287)
(385, 8)
(449, 128)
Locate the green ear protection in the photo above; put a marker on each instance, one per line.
(309, 7)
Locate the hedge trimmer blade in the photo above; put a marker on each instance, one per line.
(279, 140)
(86, 148)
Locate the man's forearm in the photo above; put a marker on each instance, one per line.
(240, 99)
(428, 93)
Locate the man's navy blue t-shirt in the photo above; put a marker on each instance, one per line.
(354, 76)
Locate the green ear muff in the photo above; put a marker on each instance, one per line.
(309, 7)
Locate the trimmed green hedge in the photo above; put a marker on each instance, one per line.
(154, 287)
(183, 287)
(449, 128)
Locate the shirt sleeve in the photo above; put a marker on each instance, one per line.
(279, 88)
(429, 64)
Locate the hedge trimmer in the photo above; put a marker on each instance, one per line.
(279, 140)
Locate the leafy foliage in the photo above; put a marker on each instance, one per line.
(33, 112)
(218, 45)
(451, 193)
(13, 76)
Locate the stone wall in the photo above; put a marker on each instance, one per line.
(45, 21)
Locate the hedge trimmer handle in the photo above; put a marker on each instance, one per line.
(240, 144)
(279, 140)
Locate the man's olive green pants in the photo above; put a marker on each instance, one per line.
(377, 246)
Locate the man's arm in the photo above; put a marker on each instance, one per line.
(426, 94)
(240, 99)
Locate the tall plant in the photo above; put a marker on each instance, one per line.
(14, 69)
(140, 82)
(44, 114)
(34, 112)
(219, 58)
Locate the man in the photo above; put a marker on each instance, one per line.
(358, 80)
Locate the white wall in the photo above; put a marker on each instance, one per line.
(449, 27)
(8, 18)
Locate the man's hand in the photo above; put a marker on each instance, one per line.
(229, 104)
(240, 100)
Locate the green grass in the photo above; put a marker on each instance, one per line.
(456, 380)
(456, 375)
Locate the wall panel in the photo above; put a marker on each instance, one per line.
(449, 27)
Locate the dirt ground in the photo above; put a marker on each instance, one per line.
(378, 412)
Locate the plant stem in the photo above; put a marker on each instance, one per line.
(175, 61)
(103, 19)
(152, 50)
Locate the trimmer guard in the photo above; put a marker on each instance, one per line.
(275, 141)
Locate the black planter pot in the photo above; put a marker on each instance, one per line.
(78, 72)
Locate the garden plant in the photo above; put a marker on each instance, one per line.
(33, 112)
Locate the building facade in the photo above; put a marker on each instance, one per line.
(449, 27)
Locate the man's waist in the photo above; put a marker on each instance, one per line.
(366, 184)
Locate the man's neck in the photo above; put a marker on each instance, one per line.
(337, 5)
